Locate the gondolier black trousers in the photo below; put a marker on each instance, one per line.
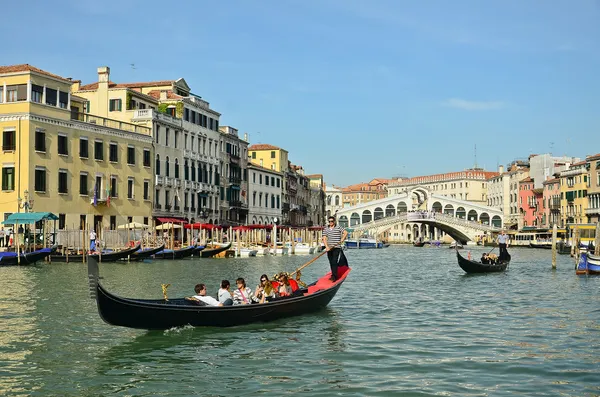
(503, 251)
(336, 259)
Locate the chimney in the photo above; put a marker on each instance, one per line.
(246, 136)
(501, 169)
(75, 85)
(103, 74)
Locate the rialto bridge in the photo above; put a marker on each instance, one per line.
(419, 213)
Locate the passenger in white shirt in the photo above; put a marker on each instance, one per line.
(201, 296)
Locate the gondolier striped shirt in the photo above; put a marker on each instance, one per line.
(333, 234)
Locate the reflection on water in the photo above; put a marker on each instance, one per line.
(407, 320)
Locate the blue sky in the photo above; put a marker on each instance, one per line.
(352, 89)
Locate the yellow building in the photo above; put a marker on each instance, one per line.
(269, 156)
(84, 168)
(573, 193)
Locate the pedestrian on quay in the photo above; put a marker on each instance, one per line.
(92, 240)
(333, 237)
(2, 235)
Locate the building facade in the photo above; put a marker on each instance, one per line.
(573, 194)
(84, 169)
(530, 203)
(234, 168)
(333, 200)
(264, 194)
(544, 166)
(593, 207)
(364, 192)
(316, 205)
(551, 203)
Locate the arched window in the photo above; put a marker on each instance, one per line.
(193, 172)
(186, 170)
(167, 167)
(337, 200)
(157, 164)
(176, 168)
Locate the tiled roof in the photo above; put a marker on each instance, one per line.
(578, 164)
(553, 180)
(28, 68)
(94, 86)
(263, 146)
(466, 174)
(593, 157)
(314, 176)
(170, 94)
(528, 179)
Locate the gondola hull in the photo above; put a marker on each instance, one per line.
(161, 314)
(107, 257)
(145, 253)
(208, 253)
(420, 243)
(8, 259)
(542, 246)
(175, 254)
(588, 264)
(470, 266)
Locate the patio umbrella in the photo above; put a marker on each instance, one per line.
(132, 225)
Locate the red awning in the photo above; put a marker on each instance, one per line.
(171, 220)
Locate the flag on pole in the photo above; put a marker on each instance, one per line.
(108, 196)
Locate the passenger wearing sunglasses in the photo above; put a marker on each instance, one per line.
(264, 291)
(333, 237)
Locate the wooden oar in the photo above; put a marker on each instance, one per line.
(309, 262)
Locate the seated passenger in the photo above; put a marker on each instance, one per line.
(224, 294)
(493, 258)
(285, 289)
(201, 296)
(242, 295)
(484, 258)
(264, 290)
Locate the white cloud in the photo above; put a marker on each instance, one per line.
(464, 104)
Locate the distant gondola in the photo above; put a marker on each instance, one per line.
(145, 253)
(208, 253)
(164, 314)
(175, 254)
(28, 258)
(111, 256)
(470, 266)
(420, 243)
(197, 251)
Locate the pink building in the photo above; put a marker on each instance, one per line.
(530, 203)
(551, 203)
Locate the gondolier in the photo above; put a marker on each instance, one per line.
(502, 243)
(333, 237)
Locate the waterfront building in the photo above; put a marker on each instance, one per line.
(264, 194)
(503, 191)
(364, 192)
(530, 203)
(193, 144)
(61, 159)
(593, 207)
(468, 185)
(333, 200)
(316, 205)
(551, 203)
(234, 168)
(127, 102)
(544, 166)
(573, 193)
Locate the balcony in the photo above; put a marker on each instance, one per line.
(592, 211)
(167, 207)
(168, 181)
(158, 180)
(235, 180)
(100, 197)
(188, 185)
(237, 204)
(151, 114)
(177, 182)
(110, 123)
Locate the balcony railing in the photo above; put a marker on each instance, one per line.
(592, 211)
(151, 114)
(157, 206)
(158, 180)
(110, 123)
(168, 207)
(235, 180)
(237, 204)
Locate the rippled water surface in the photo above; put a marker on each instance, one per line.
(407, 321)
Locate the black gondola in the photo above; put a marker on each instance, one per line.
(146, 253)
(196, 252)
(470, 266)
(164, 314)
(547, 246)
(28, 258)
(208, 253)
(175, 254)
(420, 243)
(111, 256)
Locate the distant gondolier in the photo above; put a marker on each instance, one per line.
(502, 244)
(93, 240)
(333, 237)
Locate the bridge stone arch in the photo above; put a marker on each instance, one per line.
(366, 216)
(496, 221)
(472, 216)
(378, 213)
(484, 217)
(343, 221)
(390, 210)
(354, 219)
(449, 209)
(402, 207)
(461, 213)
(437, 206)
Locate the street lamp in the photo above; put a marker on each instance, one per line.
(27, 203)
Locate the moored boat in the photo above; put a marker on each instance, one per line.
(455, 245)
(164, 314)
(419, 243)
(547, 246)
(588, 264)
(175, 254)
(300, 249)
(210, 252)
(471, 266)
(365, 243)
(28, 258)
(145, 253)
(247, 252)
(109, 256)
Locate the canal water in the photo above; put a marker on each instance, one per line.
(408, 321)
